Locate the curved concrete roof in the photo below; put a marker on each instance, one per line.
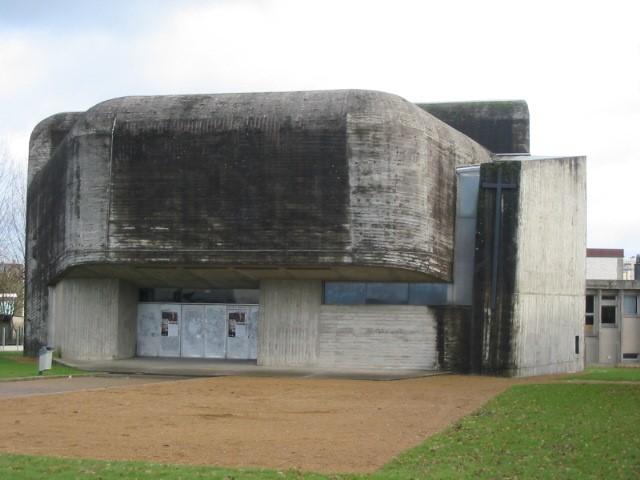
(349, 180)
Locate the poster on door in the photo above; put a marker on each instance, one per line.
(169, 324)
(237, 324)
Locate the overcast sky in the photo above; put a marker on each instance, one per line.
(577, 64)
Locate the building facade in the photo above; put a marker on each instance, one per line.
(612, 313)
(340, 229)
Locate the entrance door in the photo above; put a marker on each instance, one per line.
(215, 329)
(192, 337)
(203, 331)
(239, 334)
(197, 331)
(158, 330)
(609, 333)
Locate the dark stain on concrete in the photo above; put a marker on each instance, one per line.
(492, 329)
(500, 126)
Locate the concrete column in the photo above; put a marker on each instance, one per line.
(288, 326)
(94, 319)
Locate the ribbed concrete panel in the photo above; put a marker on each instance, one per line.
(127, 313)
(288, 324)
(501, 126)
(377, 336)
(94, 319)
(550, 266)
(545, 331)
(401, 199)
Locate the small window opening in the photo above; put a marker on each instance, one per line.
(608, 315)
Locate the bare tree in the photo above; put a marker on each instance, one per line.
(13, 180)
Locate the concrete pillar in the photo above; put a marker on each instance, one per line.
(94, 319)
(288, 326)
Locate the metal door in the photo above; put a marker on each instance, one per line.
(241, 332)
(253, 332)
(630, 338)
(148, 335)
(192, 336)
(158, 330)
(215, 330)
(197, 331)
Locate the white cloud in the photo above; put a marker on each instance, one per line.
(577, 64)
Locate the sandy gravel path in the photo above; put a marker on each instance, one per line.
(320, 425)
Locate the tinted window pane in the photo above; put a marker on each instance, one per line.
(221, 295)
(344, 293)
(608, 316)
(588, 320)
(468, 184)
(428, 293)
(145, 295)
(247, 295)
(188, 295)
(387, 293)
(630, 304)
(165, 295)
(589, 304)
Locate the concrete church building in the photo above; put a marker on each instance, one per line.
(332, 229)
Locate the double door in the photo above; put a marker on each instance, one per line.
(197, 331)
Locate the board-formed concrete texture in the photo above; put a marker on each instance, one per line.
(284, 192)
(343, 180)
(537, 323)
(502, 127)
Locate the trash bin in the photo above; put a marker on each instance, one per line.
(45, 356)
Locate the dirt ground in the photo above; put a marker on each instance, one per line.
(318, 425)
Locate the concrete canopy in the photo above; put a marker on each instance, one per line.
(343, 178)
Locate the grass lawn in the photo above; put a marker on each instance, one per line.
(21, 467)
(537, 431)
(609, 374)
(531, 431)
(15, 365)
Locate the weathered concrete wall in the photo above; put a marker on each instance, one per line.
(549, 305)
(343, 179)
(377, 336)
(67, 211)
(46, 137)
(539, 297)
(94, 319)
(127, 319)
(454, 337)
(288, 325)
(502, 126)
(295, 329)
(491, 334)
(402, 199)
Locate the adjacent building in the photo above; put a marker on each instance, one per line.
(333, 229)
(612, 318)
